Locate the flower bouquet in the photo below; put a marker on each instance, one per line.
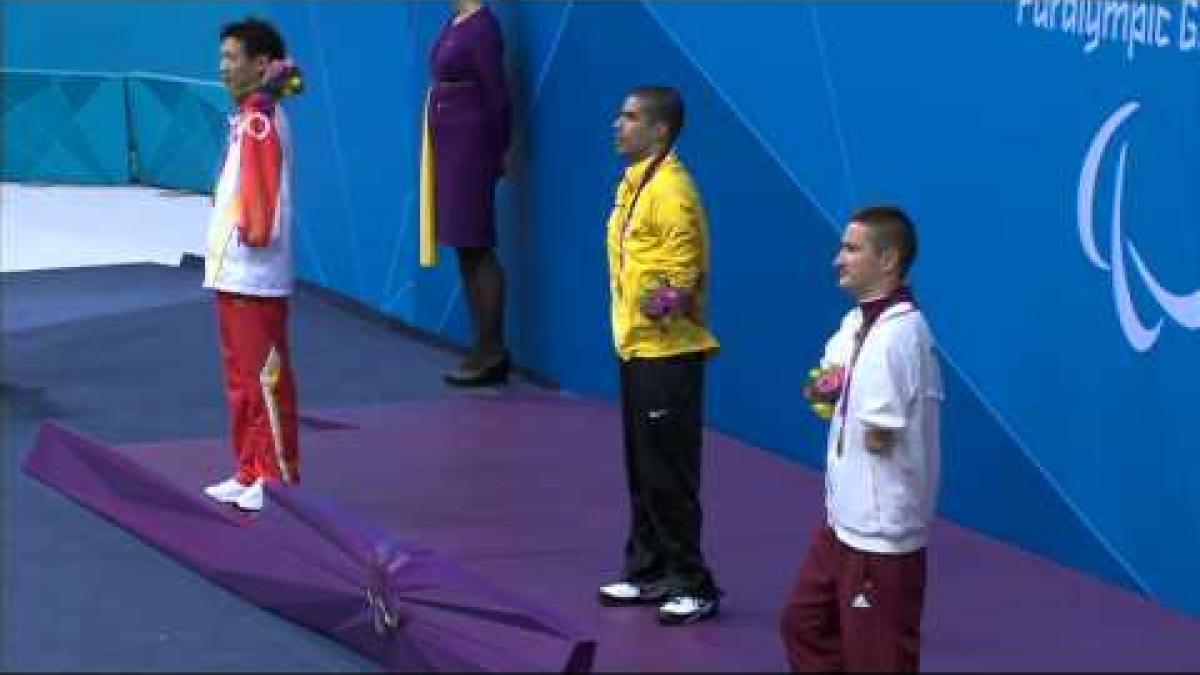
(661, 301)
(824, 388)
(282, 78)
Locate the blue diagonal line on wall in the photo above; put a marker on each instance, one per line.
(737, 112)
(322, 278)
(388, 296)
(1046, 475)
(1000, 420)
(549, 60)
(406, 287)
(398, 249)
(338, 156)
(450, 305)
(831, 96)
(301, 232)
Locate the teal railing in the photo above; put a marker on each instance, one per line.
(111, 128)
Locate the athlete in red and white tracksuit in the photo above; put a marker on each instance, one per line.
(249, 264)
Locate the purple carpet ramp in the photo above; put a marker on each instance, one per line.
(408, 607)
(527, 494)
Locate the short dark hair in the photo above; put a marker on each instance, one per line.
(890, 228)
(662, 105)
(258, 37)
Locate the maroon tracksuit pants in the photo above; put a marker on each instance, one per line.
(854, 611)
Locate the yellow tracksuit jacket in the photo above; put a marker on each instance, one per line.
(663, 241)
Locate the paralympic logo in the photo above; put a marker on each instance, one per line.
(1182, 309)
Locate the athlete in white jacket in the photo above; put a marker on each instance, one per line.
(249, 264)
(859, 595)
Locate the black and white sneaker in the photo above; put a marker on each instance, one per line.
(626, 593)
(682, 610)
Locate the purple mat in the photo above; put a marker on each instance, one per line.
(309, 559)
(527, 493)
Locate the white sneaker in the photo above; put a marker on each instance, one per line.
(252, 497)
(227, 491)
(621, 591)
(686, 609)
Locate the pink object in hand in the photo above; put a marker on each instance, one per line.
(664, 301)
(830, 382)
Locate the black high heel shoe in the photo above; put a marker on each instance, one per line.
(484, 376)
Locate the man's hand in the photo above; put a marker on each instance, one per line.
(880, 440)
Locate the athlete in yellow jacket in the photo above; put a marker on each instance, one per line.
(658, 270)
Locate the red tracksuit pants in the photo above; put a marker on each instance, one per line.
(259, 386)
(853, 611)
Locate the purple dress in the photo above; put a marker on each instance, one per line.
(469, 119)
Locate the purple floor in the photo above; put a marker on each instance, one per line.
(528, 492)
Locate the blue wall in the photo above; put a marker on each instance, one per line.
(1063, 433)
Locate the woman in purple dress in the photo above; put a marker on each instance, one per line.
(469, 124)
